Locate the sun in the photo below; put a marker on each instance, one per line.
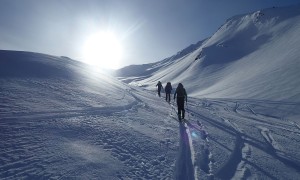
(102, 49)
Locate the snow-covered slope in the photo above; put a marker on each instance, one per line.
(253, 56)
(60, 119)
(66, 83)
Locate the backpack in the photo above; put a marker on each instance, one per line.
(180, 92)
(168, 88)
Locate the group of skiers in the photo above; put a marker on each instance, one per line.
(181, 96)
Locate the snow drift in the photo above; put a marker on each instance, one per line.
(253, 56)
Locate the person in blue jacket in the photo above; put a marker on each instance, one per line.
(159, 86)
(168, 90)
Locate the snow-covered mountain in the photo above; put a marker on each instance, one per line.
(251, 56)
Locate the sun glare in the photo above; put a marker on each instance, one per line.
(103, 50)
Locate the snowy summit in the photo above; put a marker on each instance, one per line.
(62, 119)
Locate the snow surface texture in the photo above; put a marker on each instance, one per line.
(55, 126)
(253, 56)
(61, 119)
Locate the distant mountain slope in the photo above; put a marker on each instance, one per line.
(21, 64)
(146, 70)
(251, 56)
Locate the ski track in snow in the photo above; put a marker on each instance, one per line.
(269, 138)
(241, 153)
(185, 161)
(192, 161)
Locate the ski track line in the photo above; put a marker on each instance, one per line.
(295, 124)
(204, 160)
(236, 167)
(186, 158)
(265, 132)
(253, 112)
(237, 105)
(185, 162)
(276, 149)
(188, 132)
(205, 157)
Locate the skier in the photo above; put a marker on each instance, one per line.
(168, 90)
(159, 86)
(181, 96)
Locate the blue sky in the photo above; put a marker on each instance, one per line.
(148, 30)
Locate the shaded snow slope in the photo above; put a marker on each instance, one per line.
(251, 56)
(58, 80)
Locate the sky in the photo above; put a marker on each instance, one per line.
(144, 31)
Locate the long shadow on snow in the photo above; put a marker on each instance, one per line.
(229, 168)
(184, 164)
(235, 160)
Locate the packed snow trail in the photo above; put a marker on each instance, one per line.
(185, 160)
(186, 166)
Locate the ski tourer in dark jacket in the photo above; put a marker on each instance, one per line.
(181, 97)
